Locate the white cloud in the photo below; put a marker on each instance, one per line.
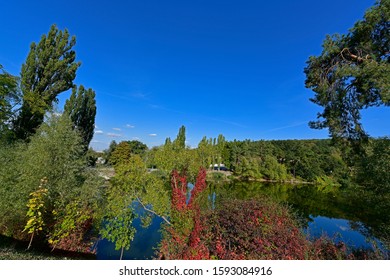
(130, 126)
(153, 134)
(136, 138)
(114, 135)
(295, 124)
(139, 95)
(117, 129)
(99, 132)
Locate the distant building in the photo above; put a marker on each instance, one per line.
(100, 160)
(220, 167)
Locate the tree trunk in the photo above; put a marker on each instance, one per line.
(122, 253)
(31, 239)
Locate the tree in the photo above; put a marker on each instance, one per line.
(121, 154)
(36, 207)
(9, 97)
(50, 69)
(220, 148)
(137, 147)
(182, 238)
(180, 142)
(108, 152)
(352, 73)
(373, 171)
(174, 155)
(54, 153)
(131, 184)
(205, 151)
(81, 109)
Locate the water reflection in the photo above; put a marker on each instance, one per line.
(338, 230)
(144, 245)
(347, 216)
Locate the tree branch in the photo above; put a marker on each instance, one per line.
(353, 56)
(151, 211)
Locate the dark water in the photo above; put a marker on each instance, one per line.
(144, 245)
(357, 220)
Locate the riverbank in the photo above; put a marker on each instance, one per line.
(227, 176)
(12, 249)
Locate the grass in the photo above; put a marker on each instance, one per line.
(12, 249)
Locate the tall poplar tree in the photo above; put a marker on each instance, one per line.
(81, 109)
(50, 69)
(180, 142)
(9, 97)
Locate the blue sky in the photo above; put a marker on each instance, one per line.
(218, 67)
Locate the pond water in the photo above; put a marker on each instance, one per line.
(346, 217)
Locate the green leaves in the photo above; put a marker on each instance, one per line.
(36, 206)
(67, 220)
(352, 73)
(131, 185)
(9, 98)
(374, 167)
(81, 109)
(50, 69)
(118, 228)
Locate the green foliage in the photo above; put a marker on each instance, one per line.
(180, 142)
(50, 69)
(67, 220)
(55, 150)
(352, 73)
(55, 153)
(92, 157)
(9, 98)
(374, 169)
(272, 169)
(81, 109)
(137, 147)
(326, 184)
(205, 152)
(121, 154)
(212, 151)
(175, 156)
(118, 229)
(13, 196)
(35, 212)
(131, 184)
(248, 169)
(302, 158)
(108, 152)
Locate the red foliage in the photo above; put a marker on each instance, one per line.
(237, 229)
(186, 244)
(199, 187)
(179, 188)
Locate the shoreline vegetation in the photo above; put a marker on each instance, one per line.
(220, 175)
(271, 215)
(126, 177)
(54, 198)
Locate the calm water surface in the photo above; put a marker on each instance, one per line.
(354, 220)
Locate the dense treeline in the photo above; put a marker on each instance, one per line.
(308, 160)
(317, 161)
(50, 191)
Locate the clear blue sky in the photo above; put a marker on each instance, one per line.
(230, 67)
